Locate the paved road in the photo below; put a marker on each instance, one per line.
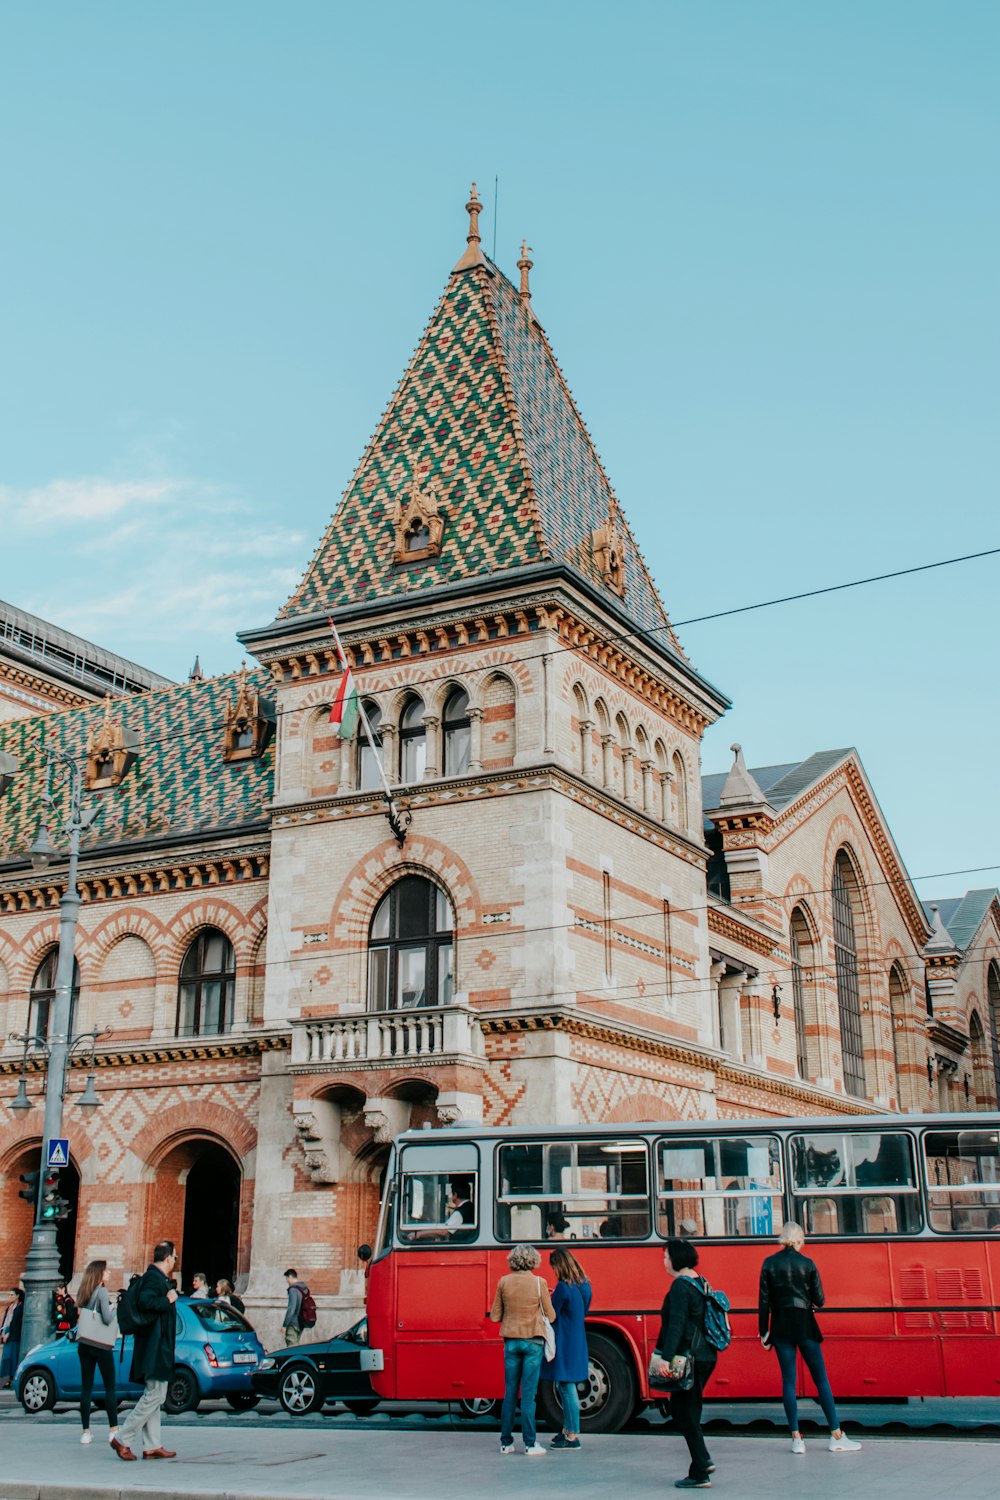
(251, 1462)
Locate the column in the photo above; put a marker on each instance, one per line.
(434, 761)
(475, 739)
(628, 778)
(608, 760)
(647, 767)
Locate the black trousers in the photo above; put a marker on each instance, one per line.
(92, 1358)
(685, 1409)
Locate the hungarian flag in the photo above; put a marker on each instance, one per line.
(344, 712)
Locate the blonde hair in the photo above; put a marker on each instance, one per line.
(792, 1234)
(524, 1258)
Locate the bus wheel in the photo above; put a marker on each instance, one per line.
(607, 1400)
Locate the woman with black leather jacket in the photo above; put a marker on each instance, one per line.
(682, 1331)
(790, 1290)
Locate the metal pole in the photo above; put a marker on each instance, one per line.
(41, 1270)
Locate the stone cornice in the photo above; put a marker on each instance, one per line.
(40, 689)
(180, 872)
(182, 1049)
(446, 791)
(733, 929)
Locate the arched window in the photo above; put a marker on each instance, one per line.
(583, 728)
(410, 947)
(680, 789)
(898, 990)
(982, 1082)
(800, 946)
(207, 984)
(412, 742)
(457, 734)
(43, 994)
(993, 999)
(370, 749)
(845, 949)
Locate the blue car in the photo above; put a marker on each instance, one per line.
(216, 1355)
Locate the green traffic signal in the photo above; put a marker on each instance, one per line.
(54, 1206)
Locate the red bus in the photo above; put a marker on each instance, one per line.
(902, 1214)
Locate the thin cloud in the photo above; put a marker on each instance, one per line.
(80, 500)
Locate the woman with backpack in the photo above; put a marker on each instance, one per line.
(682, 1333)
(790, 1289)
(571, 1366)
(96, 1351)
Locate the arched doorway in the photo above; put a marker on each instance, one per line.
(17, 1217)
(195, 1201)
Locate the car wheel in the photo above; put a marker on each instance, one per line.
(479, 1406)
(242, 1400)
(182, 1392)
(608, 1397)
(363, 1408)
(38, 1391)
(299, 1391)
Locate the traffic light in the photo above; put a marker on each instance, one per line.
(30, 1190)
(54, 1206)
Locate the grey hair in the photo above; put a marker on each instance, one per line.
(524, 1258)
(791, 1234)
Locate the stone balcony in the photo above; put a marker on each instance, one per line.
(431, 1035)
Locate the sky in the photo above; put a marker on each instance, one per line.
(766, 239)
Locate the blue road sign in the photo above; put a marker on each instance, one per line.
(58, 1154)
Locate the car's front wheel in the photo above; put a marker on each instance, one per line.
(299, 1391)
(38, 1391)
(243, 1400)
(182, 1392)
(479, 1406)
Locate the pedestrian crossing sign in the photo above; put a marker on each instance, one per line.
(58, 1153)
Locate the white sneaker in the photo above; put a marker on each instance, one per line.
(844, 1444)
(798, 1446)
(85, 1438)
(506, 1447)
(534, 1450)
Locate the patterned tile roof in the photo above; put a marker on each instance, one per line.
(180, 786)
(482, 408)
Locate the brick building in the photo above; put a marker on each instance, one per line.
(566, 923)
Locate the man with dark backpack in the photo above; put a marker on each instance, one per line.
(301, 1310)
(146, 1310)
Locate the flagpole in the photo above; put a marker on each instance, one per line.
(399, 819)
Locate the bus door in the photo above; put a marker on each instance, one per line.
(445, 1348)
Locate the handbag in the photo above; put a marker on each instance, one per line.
(92, 1329)
(680, 1378)
(550, 1329)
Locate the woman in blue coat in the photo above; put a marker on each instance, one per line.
(571, 1366)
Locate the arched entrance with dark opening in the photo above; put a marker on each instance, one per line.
(17, 1216)
(195, 1201)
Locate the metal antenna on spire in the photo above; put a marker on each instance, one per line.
(496, 195)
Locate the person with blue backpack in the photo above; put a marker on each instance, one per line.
(694, 1327)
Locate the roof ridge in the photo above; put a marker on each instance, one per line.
(510, 406)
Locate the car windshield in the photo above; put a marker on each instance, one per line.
(219, 1317)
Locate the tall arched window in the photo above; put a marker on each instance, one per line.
(982, 1081)
(370, 749)
(412, 742)
(845, 949)
(43, 994)
(898, 990)
(457, 734)
(680, 789)
(993, 999)
(584, 728)
(800, 945)
(207, 985)
(410, 947)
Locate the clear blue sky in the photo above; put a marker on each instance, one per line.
(766, 244)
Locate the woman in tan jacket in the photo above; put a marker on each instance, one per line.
(520, 1306)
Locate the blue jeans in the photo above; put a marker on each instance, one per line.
(570, 1398)
(522, 1364)
(812, 1353)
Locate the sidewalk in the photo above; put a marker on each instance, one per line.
(300, 1465)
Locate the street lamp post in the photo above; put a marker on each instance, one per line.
(41, 1270)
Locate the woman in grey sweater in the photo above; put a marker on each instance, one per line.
(93, 1294)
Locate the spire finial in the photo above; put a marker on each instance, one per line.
(524, 265)
(473, 252)
(472, 208)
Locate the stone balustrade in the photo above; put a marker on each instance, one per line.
(430, 1034)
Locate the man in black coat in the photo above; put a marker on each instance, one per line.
(153, 1357)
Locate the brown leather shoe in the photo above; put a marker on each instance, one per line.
(122, 1451)
(159, 1453)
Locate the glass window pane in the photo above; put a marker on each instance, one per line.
(378, 979)
(728, 1186)
(38, 1024)
(439, 1205)
(186, 1010)
(818, 1161)
(414, 759)
(443, 918)
(445, 975)
(569, 1190)
(457, 750)
(369, 775)
(215, 953)
(963, 1181)
(380, 921)
(413, 907)
(413, 715)
(457, 707)
(211, 1007)
(411, 977)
